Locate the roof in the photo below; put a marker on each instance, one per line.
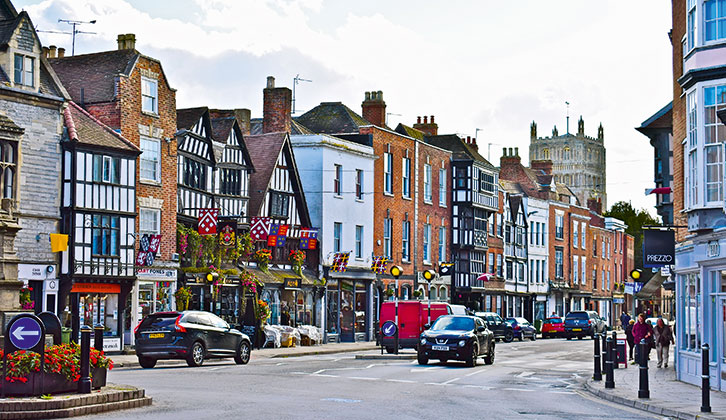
(332, 118)
(221, 128)
(7, 28)
(187, 118)
(94, 73)
(661, 119)
(410, 131)
(295, 127)
(6, 124)
(264, 150)
(459, 148)
(83, 128)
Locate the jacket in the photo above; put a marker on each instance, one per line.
(640, 331)
(663, 336)
(629, 332)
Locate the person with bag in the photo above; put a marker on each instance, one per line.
(663, 341)
(629, 337)
(641, 331)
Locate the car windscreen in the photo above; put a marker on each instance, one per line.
(553, 321)
(158, 321)
(453, 323)
(577, 315)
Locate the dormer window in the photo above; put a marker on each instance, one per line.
(24, 70)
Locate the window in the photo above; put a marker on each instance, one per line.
(608, 283)
(604, 255)
(406, 241)
(531, 271)
(491, 262)
(691, 32)
(500, 224)
(558, 263)
(150, 159)
(279, 204)
(106, 169)
(559, 226)
(442, 187)
(584, 271)
(594, 277)
(510, 270)
(105, 232)
(24, 70)
(427, 183)
(499, 265)
(387, 228)
(532, 235)
(442, 244)
(406, 177)
(149, 95)
(149, 221)
(690, 331)
(602, 282)
(594, 246)
(575, 269)
(359, 184)
(337, 232)
(715, 19)
(338, 180)
(575, 233)
(486, 182)
(609, 254)
(359, 241)
(537, 272)
(583, 239)
(195, 174)
(427, 243)
(230, 181)
(9, 163)
(714, 99)
(388, 173)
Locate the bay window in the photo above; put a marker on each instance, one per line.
(714, 99)
(714, 19)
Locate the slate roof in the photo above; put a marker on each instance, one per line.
(295, 127)
(264, 150)
(6, 124)
(410, 132)
(332, 118)
(186, 118)
(221, 128)
(459, 149)
(83, 128)
(7, 28)
(661, 119)
(96, 73)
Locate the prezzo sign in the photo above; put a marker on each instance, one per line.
(659, 247)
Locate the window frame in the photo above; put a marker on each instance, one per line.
(442, 187)
(279, 205)
(337, 237)
(427, 244)
(388, 173)
(359, 242)
(105, 235)
(145, 160)
(157, 220)
(406, 177)
(406, 241)
(147, 81)
(359, 184)
(428, 193)
(25, 61)
(338, 180)
(387, 237)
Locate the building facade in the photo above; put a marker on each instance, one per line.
(659, 130)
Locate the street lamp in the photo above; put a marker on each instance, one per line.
(429, 276)
(396, 272)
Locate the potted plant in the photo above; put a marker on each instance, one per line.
(182, 297)
(263, 258)
(25, 301)
(417, 294)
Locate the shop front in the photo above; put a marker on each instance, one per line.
(352, 306)
(293, 299)
(101, 304)
(43, 281)
(154, 292)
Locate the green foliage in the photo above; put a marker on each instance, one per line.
(635, 220)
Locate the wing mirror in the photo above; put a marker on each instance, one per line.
(481, 329)
(427, 326)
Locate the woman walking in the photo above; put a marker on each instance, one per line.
(641, 331)
(663, 341)
(630, 338)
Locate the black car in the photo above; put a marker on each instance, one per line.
(495, 323)
(189, 335)
(457, 337)
(583, 324)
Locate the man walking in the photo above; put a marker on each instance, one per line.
(663, 341)
(630, 338)
(624, 319)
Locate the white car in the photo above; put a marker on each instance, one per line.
(459, 310)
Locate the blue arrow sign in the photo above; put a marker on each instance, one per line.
(389, 329)
(25, 333)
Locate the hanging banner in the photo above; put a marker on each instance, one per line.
(208, 221)
(227, 231)
(308, 238)
(340, 262)
(659, 248)
(148, 248)
(278, 235)
(260, 228)
(379, 264)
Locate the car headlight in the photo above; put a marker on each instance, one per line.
(423, 341)
(462, 343)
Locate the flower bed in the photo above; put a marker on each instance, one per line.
(61, 372)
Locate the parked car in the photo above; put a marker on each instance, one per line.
(413, 315)
(522, 328)
(459, 310)
(583, 324)
(495, 323)
(190, 335)
(553, 327)
(457, 337)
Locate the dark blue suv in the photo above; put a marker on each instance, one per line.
(583, 324)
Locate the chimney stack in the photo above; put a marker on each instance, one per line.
(243, 119)
(61, 52)
(595, 205)
(542, 165)
(276, 108)
(516, 151)
(426, 119)
(51, 51)
(418, 120)
(126, 41)
(374, 108)
(430, 128)
(46, 51)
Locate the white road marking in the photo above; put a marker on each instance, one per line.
(562, 392)
(485, 388)
(403, 381)
(319, 371)
(362, 378)
(518, 389)
(475, 372)
(450, 381)
(324, 375)
(525, 374)
(280, 364)
(437, 383)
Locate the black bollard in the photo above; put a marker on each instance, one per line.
(84, 384)
(98, 337)
(643, 391)
(705, 380)
(609, 372)
(603, 352)
(597, 376)
(615, 350)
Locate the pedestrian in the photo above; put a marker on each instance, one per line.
(629, 337)
(624, 319)
(554, 314)
(663, 341)
(641, 331)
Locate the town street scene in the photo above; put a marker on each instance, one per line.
(314, 209)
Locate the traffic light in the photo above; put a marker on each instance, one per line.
(635, 274)
(212, 277)
(429, 275)
(396, 271)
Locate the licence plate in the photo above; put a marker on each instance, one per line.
(577, 329)
(440, 348)
(157, 335)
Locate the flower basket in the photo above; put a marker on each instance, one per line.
(182, 297)
(263, 258)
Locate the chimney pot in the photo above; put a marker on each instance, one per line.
(426, 119)
(52, 50)
(516, 151)
(120, 40)
(418, 120)
(510, 152)
(46, 50)
(270, 82)
(432, 119)
(61, 52)
(130, 41)
(380, 95)
(504, 151)
(368, 96)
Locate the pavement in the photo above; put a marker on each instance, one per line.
(130, 360)
(668, 397)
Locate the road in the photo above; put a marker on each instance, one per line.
(529, 380)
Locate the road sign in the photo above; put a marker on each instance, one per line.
(25, 333)
(389, 329)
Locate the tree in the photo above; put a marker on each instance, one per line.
(635, 220)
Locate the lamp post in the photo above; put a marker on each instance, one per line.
(429, 276)
(396, 272)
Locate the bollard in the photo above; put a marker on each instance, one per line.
(603, 351)
(609, 372)
(597, 375)
(615, 350)
(643, 391)
(705, 381)
(98, 337)
(84, 384)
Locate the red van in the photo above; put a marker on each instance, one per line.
(412, 316)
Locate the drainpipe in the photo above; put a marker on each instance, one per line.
(415, 215)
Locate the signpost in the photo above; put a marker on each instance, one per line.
(389, 329)
(659, 248)
(25, 332)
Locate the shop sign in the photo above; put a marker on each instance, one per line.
(291, 283)
(95, 288)
(35, 271)
(714, 249)
(659, 248)
(109, 343)
(164, 273)
(618, 300)
(633, 288)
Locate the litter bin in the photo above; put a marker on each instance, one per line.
(65, 335)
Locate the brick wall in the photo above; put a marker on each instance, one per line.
(432, 209)
(679, 116)
(276, 108)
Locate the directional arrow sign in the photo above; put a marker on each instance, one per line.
(389, 329)
(25, 333)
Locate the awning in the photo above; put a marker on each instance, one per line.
(651, 286)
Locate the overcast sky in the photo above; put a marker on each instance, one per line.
(491, 65)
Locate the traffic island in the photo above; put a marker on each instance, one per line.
(109, 398)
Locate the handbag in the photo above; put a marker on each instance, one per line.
(651, 342)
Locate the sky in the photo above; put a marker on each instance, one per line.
(474, 64)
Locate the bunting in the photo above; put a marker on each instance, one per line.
(308, 238)
(278, 235)
(378, 265)
(259, 228)
(340, 262)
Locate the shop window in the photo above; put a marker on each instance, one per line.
(99, 309)
(332, 312)
(689, 331)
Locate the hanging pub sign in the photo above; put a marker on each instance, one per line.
(227, 231)
(659, 248)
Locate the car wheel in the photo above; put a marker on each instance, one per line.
(489, 358)
(521, 337)
(243, 353)
(422, 359)
(471, 361)
(534, 336)
(389, 350)
(508, 336)
(579, 337)
(147, 362)
(569, 338)
(196, 355)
